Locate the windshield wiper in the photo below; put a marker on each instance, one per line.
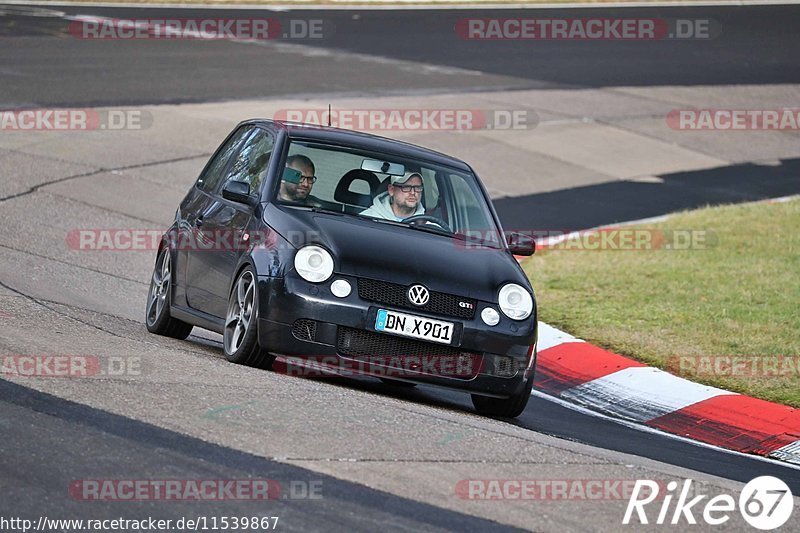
(430, 228)
(326, 210)
(384, 221)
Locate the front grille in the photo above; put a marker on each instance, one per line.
(440, 303)
(304, 329)
(388, 350)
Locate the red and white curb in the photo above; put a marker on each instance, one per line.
(583, 374)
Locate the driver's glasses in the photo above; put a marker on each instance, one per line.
(408, 188)
(308, 179)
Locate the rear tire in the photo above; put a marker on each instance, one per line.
(240, 337)
(159, 298)
(510, 407)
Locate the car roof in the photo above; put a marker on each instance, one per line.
(315, 132)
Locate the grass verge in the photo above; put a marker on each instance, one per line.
(724, 312)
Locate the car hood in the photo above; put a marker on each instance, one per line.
(368, 249)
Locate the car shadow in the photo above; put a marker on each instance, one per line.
(546, 417)
(422, 394)
(620, 201)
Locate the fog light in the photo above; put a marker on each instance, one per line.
(341, 288)
(490, 317)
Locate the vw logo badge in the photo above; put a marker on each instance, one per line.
(418, 295)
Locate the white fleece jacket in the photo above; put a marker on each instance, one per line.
(382, 208)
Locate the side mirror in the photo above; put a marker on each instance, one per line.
(237, 191)
(520, 244)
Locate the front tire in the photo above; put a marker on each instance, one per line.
(240, 337)
(510, 407)
(157, 316)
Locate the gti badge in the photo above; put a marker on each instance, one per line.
(418, 295)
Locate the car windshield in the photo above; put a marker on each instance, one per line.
(383, 188)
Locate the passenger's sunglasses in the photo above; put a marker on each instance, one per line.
(408, 188)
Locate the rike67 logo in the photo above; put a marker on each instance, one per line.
(765, 503)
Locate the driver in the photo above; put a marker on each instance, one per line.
(299, 192)
(402, 199)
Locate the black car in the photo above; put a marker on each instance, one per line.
(351, 251)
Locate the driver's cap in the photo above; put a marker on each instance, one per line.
(404, 178)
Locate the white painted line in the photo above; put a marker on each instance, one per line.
(9, 9)
(550, 336)
(789, 453)
(413, 67)
(293, 48)
(783, 199)
(647, 429)
(557, 239)
(640, 393)
(381, 5)
(401, 64)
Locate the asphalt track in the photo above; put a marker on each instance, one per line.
(46, 66)
(387, 456)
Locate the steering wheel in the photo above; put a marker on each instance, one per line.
(429, 218)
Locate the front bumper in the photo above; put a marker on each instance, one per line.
(305, 320)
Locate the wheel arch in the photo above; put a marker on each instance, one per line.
(245, 262)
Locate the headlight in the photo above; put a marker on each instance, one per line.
(313, 263)
(515, 302)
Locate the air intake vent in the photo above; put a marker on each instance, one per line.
(504, 366)
(304, 329)
(378, 348)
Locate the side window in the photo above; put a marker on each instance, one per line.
(252, 162)
(329, 167)
(210, 178)
(431, 188)
(470, 212)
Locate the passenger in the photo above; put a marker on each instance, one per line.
(402, 199)
(299, 192)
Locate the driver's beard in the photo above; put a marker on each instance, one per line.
(404, 210)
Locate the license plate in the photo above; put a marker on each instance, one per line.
(417, 327)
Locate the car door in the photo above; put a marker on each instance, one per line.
(191, 286)
(223, 224)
